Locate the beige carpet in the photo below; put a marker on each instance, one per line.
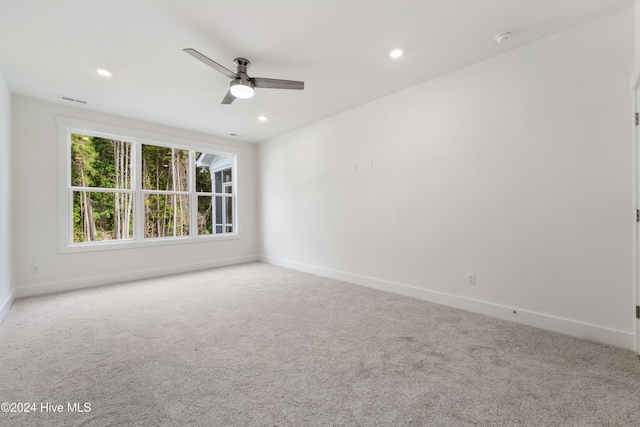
(258, 345)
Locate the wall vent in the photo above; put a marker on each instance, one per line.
(68, 99)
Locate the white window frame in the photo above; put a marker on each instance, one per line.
(67, 126)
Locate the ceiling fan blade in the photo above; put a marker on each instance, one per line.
(211, 63)
(228, 98)
(277, 83)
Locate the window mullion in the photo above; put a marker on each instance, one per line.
(70, 229)
(138, 213)
(193, 198)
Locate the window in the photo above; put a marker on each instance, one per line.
(165, 191)
(100, 189)
(129, 191)
(214, 187)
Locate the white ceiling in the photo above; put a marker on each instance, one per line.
(339, 48)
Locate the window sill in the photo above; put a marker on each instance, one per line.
(147, 243)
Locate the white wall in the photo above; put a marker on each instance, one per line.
(635, 75)
(5, 198)
(517, 169)
(635, 82)
(35, 192)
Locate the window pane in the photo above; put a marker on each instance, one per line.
(101, 216)
(205, 215)
(229, 210)
(212, 170)
(218, 209)
(166, 215)
(203, 175)
(227, 175)
(215, 213)
(100, 162)
(218, 181)
(223, 214)
(165, 168)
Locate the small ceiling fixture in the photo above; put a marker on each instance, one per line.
(505, 35)
(262, 118)
(103, 72)
(396, 53)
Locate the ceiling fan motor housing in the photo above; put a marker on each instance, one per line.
(242, 87)
(242, 64)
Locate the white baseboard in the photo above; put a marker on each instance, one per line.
(4, 308)
(574, 328)
(87, 282)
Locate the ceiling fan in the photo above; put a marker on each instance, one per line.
(241, 84)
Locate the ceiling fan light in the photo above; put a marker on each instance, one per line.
(241, 89)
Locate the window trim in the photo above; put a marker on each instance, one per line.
(68, 125)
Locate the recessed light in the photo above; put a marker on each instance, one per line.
(396, 53)
(103, 72)
(262, 118)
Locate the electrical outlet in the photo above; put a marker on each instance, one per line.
(35, 269)
(471, 278)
